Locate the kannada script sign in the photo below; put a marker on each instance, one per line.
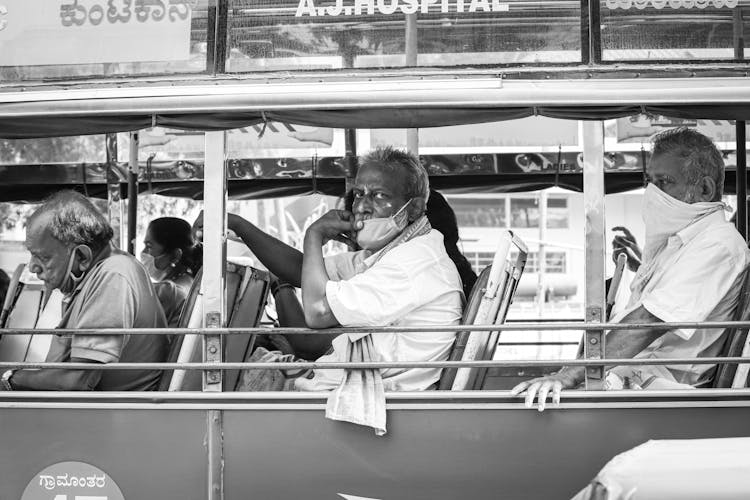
(41, 32)
(72, 481)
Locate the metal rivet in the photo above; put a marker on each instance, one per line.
(593, 340)
(212, 349)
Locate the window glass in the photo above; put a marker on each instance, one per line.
(524, 212)
(668, 30)
(479, 212)
(76, 149)
(557, 213)
(330, 34)
(84, 38)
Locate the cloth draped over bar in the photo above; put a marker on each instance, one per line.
(58, 125)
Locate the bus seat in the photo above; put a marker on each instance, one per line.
(488, 303)
(11, 295)
(247, 291)
(732, 375)
(614, 284)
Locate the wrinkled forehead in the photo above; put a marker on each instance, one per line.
(374, 176)
(39, 236)
(666, 165)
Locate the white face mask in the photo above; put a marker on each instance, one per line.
(664, 216)
(149, 262)
(378, 232)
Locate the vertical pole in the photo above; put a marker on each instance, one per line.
(132, 192)
(741, 177)
(115, 205)
(410, 60)
(216, 36)
(542, 253)
(594, 31)
(212, 289)
(740, 132)
(593, 206)
(350, 157)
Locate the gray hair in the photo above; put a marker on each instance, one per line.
(701, 156)
(417, 182)
(74, 220)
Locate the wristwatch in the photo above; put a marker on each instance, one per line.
(5, 380)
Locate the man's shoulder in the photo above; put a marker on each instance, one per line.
(722, 239)
(121, 265)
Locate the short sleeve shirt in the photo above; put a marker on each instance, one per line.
(414, 284)
(116, 293)
(697, 277)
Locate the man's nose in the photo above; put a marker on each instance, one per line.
(362, 205)
(34, 267)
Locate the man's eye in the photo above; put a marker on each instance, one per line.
(380, 196)
(357, 195)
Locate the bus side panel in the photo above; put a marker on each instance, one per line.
(149, 454)
(447, 454)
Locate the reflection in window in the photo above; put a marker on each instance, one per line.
(306, 34)
(524, 212)
(76, 149)
(479, 212)
(683, 29)
(557, 213)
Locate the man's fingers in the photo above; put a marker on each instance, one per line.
(543, 391)
(519, 388)
(556, 390)
(625, 230)
(531, 394)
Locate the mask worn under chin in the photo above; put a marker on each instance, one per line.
(664, 216)
(149, 262)
(378, 232)
(70, 281)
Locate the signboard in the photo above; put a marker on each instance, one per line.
(72, 481)
(47, 32)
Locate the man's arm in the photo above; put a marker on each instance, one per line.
(317, 310)
(281, 259)
(57, 380)
(620, 344)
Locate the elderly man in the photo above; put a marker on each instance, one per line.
(692, 269)
(402, 276)
(69, 242)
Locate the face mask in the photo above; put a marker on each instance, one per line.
(664, 216)
(378, 232)
(70, 281)
(149, 262)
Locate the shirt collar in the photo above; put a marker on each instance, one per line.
(695, 228)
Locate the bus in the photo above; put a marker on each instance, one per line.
(510, 105)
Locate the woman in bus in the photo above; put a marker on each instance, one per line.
(172, 259)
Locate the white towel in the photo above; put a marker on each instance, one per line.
(360, 399)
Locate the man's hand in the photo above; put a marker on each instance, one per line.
(544, 386)
(336, 225)
(627, 244)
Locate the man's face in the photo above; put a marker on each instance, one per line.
(49, 256)
(667, 172)
(378, 192)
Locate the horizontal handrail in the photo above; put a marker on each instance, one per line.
(507, 327)
(336, 365)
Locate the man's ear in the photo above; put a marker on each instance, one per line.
(176, 256)
(708, 190)
(85, 257)
(416, 208)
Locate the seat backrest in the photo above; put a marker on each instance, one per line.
(488, 303)
(614, 285)
(732, 375)
(247, 291)
(11, 296)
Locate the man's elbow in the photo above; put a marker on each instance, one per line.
(318, 315)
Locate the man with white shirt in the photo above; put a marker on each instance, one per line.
(693, 266)
(402, 276)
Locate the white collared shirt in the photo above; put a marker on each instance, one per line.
(414, 284)
(697, 277)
